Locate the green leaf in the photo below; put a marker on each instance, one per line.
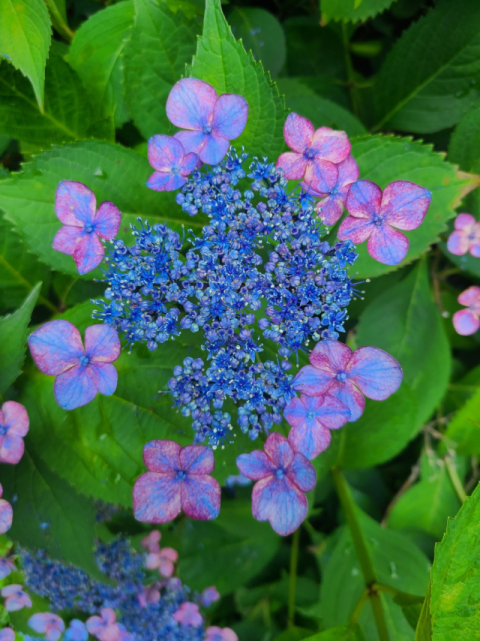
(339, 633)
(13, 335)
(162, 43)
(25, 34)
(96, 54)
(322, 112)
(113, 172)
(261, 34)
(456, 576)
(223, 62)
(352, 10)
(48, 513)
(383, 159)
(464, 147)
(428, 80)
(67, 114)
(411, 605)
(58, 14)
(463, 430)
(424, 626)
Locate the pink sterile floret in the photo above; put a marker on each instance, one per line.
(51, 625)
(14, 425)
(188, 615)
(467, 321)
(466, 237)
(173, 165)
(15, 598)
(6, 514)
(214, 633)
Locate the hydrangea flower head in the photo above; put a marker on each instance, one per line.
(77, 631)
(209, 596)
(7, 634)
(80, 372)
(211, 120)
(312, 418)
(214, 633)
(283, 476)
(315, 154)
(188, 615)
(467, 321)
(51, 625)
(377, 217)
(84, 225)
(167, 156)
(15, 598)
(6, 514)
(104, 627)
(178, 478)
(14, 425)
(349, 376)
(6, 566)
(466, 237)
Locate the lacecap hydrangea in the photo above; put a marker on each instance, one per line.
(260, 284)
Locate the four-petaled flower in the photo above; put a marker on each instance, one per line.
(149, 594)
(212, 120)
(77, 631)
(315, 154)
(15, 598)
(6, 566)
(377, 217)
(14, 425)
(188, 615)
(283, 476)
(51, 625)
(75, 206)
(151, 542)
(57, 350)
(467, 321)
(178, 479)
(311, 419)
(7, 634)
(337, 371)
(6, 514)
(161, 558)
(209, 596)
(105, 627)
(466, 237)
(167, 156)
(214, 633)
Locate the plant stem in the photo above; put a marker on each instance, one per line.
(293, 578)
(366, 564)
(350, 73)
(456, 482)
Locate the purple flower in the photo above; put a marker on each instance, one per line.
(178, 479)
(105, 627)
(57, 350)
(212, 120)
(330, 208)
(466, 237)
(14, 425)
(188, 615)
(51, 625)
(7, 634)
(467, 321)
(6, 514)
(15, 598)
(77, 631)
(214, 633)
(209, 596)
(283, 477)
(75, 206)
(376, 217)
(315, 155)
(167, 156)
(348, 376)
(6, 566)
(312, 418)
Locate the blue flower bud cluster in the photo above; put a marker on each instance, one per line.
(260, 274)
(69, 588)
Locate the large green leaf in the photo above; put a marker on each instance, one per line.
(96, 54)
(162, 43)
(352, 10)
(463, 429)
(464, 147)
(13, 334)
(113, 172)
(383, 159)
(25, 34)
(339, 633)
(456, 577)
(223, 62)
(429, 78)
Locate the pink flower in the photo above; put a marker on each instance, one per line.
(6, 566)
(51, 625)
(167, 156)
(348, 376)
(209, 596)
(283, 477)
(6, 514)
(467, 321)
(311, 419)
(7, 634)
(188, 615)
(179, 478)
(163, 560)
(213, 633)
(15, 598)
(149, 594)
(376, 217)
(315, 155)
(466, 237)
(152, 541)
(105, 627)
(14, 425)
(212, 120)
(75, 206)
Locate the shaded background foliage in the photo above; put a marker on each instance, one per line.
(82, 86)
